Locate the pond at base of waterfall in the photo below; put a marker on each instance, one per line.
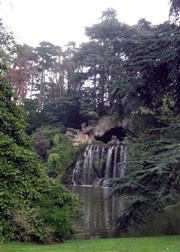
(99, 215)
(95, 167)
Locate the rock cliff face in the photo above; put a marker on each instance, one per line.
(105, 129)
(79, 137)
(96, 163)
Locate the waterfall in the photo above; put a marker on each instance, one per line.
(75, 170)
(87, 164)
(115, 162)
(90, 155)
(99, 163)
(109, 162)
(123, 154)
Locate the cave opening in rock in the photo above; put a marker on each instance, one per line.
(119, 132)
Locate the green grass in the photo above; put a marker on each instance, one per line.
(143, 244)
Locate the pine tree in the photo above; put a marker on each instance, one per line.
(152, 183)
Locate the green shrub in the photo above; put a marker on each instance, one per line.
(33, 207)
(60, 156)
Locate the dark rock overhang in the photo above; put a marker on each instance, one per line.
(114, 134)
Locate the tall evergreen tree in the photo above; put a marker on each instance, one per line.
(175, 9)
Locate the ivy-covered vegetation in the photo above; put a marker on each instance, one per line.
(33, 207)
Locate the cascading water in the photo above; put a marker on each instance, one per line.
(109, 162)
(76, 168)
(123, 158)
(88, 164)
(98, 164)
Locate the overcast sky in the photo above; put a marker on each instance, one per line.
(61, 21)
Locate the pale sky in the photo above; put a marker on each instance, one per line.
(61, 21)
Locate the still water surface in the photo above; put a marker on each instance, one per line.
(100, 213)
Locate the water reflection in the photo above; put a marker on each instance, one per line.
(167, 223)
(100, 213)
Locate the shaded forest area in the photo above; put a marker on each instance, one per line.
(123, 71)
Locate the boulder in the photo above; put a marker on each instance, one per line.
(95, 130)
(79, 137)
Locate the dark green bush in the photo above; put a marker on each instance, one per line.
(33, 207)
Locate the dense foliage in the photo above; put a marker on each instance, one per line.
(152, 180)
(60, 156)
(33, 207)
(55, 150)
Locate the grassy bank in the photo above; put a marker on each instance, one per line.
(144, 244)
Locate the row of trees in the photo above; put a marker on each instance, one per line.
(116, 72)
(49, 71)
